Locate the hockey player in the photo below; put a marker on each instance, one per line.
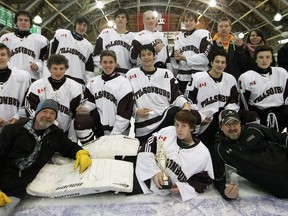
(190, 51)
(119, 40)
(210, 93)
(110, 101)
(14, 83)
(187, 162)
(66, 92)
(25, 148)
(156, 95)
(150, 36)
(258, 153)
(265, 90)
(76, 49)
(27, 50)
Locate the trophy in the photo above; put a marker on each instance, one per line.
(161, 159)
(231, 175)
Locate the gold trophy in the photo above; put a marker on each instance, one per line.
(161, 159)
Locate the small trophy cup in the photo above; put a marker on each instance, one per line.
(231, 175)
(161, 159)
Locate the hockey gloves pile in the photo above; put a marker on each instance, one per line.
(82, 159)
(4, 199)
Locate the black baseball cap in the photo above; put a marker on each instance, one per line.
(228, 115)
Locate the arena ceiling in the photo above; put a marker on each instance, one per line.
(245, 15)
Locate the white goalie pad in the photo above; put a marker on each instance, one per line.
(103, 175)
(106, 147)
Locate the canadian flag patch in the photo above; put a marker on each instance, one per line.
(132, 76)
(41, 90)
(163, 138)
(202, 84)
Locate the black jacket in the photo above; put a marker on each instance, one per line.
(260, 155)
(16, 142)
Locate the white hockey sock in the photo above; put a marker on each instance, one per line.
(85, 135)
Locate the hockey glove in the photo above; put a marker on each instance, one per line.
(82, 159)
(4, 199)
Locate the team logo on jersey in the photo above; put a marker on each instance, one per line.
(203, 84)
(9, 101)
(132, 76)
(268, 92)
(41, 90)
(63, 35)
(252, 83)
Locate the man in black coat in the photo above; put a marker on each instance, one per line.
(258, 153)
(26, 148)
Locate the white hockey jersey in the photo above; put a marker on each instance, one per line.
(42, 89)
(182, 163)
(12, 94)
(25, 51)
(196, 48)
(114, 102)
(209, 96)
(79, 54)
(157, 92)
(265, 90)
(148, 37)
(121, 44)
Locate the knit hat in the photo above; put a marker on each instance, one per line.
(47, 104)
(227, 115)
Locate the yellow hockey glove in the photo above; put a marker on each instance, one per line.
(82, 159)
(4, 199)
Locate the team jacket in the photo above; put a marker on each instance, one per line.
(26, 50)
(15, 143)
(189, 167)
(154, 38)
(195, 47)
(78, 52)
(113, 99)
(12, 94)
(259, 155)
(68, 97)
(265, 90)
(157, 92)
(121, 44)
(209, 96)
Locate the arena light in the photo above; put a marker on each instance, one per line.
(241, 35)
(110, 23)
(99, 4)
(37, 19)
(277, 17)
(212, 3)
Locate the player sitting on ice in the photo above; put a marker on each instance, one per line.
(175, 155)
